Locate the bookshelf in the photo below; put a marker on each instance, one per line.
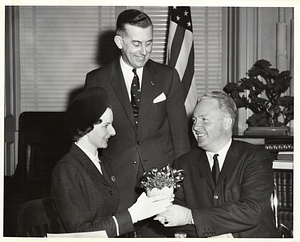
(283, 165)
(284, 182)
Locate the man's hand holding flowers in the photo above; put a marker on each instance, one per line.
(175, 215)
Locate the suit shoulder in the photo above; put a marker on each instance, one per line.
(93, 72)
(252, 149)
(100, 69)
(66, 163)
(160, 66)
(190, 156)
(247, 145)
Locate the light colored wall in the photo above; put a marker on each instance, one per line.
(268, 20)
(258, 39)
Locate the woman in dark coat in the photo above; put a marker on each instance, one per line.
(83, 187)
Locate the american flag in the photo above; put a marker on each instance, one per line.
(180, 52)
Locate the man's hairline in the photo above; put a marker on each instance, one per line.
(121, 32)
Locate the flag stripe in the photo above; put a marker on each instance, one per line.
(180, 53)
(183, 56)
(191, 98)
(172, 30)
(189, 72)
(176, 45)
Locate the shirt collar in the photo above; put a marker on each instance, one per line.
(222, 155)
(93, 158)
(127, 70)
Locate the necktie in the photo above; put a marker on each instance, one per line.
(135, 95)
(215, 168)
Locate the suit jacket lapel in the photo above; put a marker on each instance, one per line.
(87, 164)
(107, 172)
(148, 86)
(118, 84)
(205, 169)
(230, 161)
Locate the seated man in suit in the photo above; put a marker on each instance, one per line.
(228, 183)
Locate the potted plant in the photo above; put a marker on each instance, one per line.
(161, 181)
(265, 86)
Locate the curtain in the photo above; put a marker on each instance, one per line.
(60, 44)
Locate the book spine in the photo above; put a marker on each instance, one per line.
(290, 189)
(284, 190)
(279, 188)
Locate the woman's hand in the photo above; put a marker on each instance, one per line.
(146, 207)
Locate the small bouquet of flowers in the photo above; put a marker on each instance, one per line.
(161, 181)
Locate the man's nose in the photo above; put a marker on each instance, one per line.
(143, 50)
(197, 125)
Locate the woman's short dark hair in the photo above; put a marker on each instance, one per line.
(76, 134)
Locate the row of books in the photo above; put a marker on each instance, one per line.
(285, 155)
(284, 185)
(285, 216)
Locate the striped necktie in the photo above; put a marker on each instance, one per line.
(135, 95)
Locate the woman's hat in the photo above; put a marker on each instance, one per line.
(86, 108)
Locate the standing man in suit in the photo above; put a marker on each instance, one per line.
(148, 104)
(228, 183)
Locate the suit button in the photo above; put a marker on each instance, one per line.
(111, 192)
(139, 142)
(134, 163)
(216, 197)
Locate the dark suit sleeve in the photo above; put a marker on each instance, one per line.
(177, 116)
(245, 204)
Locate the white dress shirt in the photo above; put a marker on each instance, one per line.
(221, 158)
(128, 75)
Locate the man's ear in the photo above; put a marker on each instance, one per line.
(118, 41)
(227, 123)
